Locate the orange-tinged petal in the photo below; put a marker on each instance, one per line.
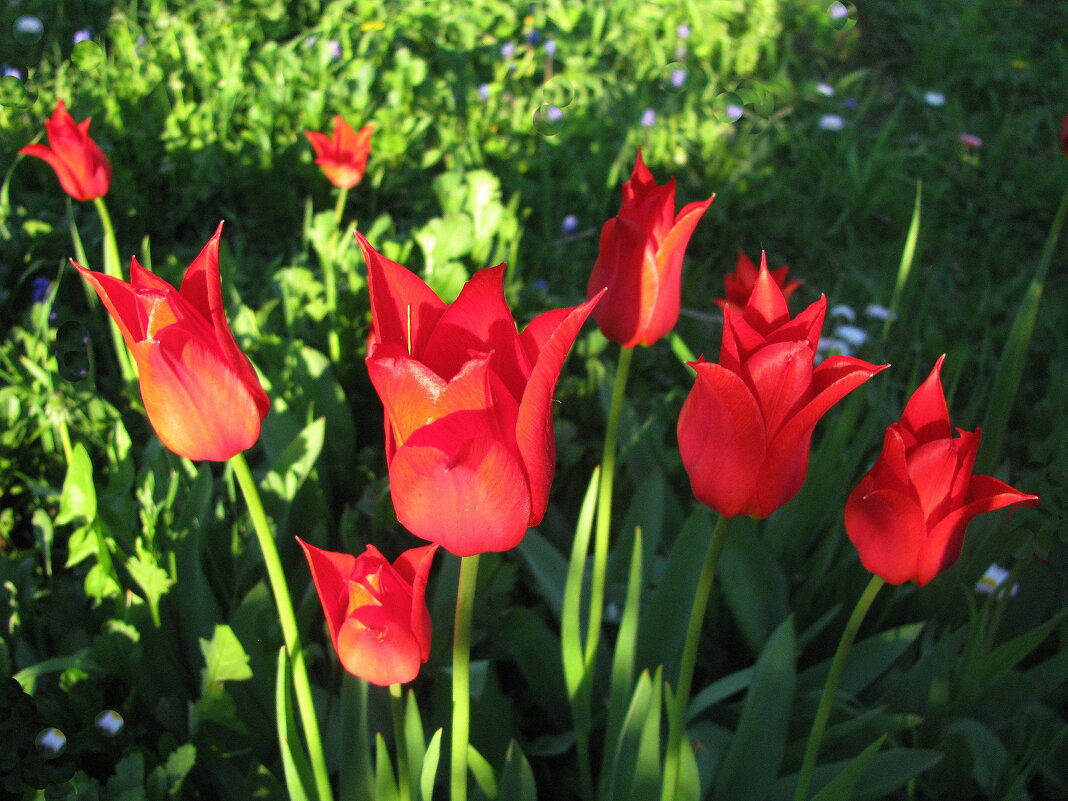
(888, 530)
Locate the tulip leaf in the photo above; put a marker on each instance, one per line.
(620, 776)
(626, 643)
(547, 567)
(224, 658)
(428, 773)
(482, 772)
(385, 780)
(840, 788)
(78, 499)
(414, 738)
(754, 585)
(886, 772)
(646, 784)
(868, 659)
(751, 764)
(296, 462)
(517, 779)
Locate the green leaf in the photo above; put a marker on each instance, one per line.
(840, 788)
(224, 658)
(414, 737)
(167, 779)
(295, 763)
(626, 645)
(886, 772)
(754, 585)
(752, 762)
(647, 774)
(547, 567)
(1007, 655)
(78, 499)
(517, 779)
(150, 577)
(296, 462)
(985, 754)
(625, 750)
(482, 772)
(867, 660)
(429, 771)
(571, 613)
(385, 780)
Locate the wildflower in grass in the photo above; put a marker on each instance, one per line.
(483, 91)
(739, 284)
(992, 581)
(683, 31)
(678, 77)
(81, 166)
(877, 312)
(908, 514)
(375, 612)
(41, 288)
(831, 122)
(850, 103)
(970, 141)
(825, 89)
(550, 47)
(854, 335)
(569, 224)
(640, 260)
(745, 429)
(201, 393)
(333, 48)
(648, 118)
(12, 72)
(507, 50)
(468, 405)
(343, 156)
(935, 99)
(842, 311)
(83, 35)
(832, 346)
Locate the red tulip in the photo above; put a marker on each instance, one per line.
(376, 612)
(908, 514)
(640, 261)
(343, 157)
(1064, 134)
(82, 168)
(201, 394)
(740, 283)
(746, 426)
(468, 405)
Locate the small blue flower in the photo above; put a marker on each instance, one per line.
(84, 35)
(334, 48)
(554, 114)
(850, 103)
(484, 91)
(41, 286)
(683, 31)
(507, 50)
(678, 77)
(542, 284)
(534, 37)
(570, 224)
(648, 118)
(12, 72)
(550, 47)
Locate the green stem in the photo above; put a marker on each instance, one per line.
(330, 280)
(277, 578)
(404, 774)
(823, 712)
(681, 700)
(461, 677)
(113, 268)
(604, 506)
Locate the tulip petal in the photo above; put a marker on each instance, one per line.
(722, 440)
(382, 655)
(119, 299)
(534, 423)
(888, 529)
(330, 571)
(460, 491)
(414, 567)
(780, 378)
(404, 309)
(926, 416)
(626, 266)
(197, 404)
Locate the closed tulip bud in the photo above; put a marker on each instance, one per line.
(343, 156)
(82, 168)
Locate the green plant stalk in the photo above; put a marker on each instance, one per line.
(681, 699)
(1014, 356)
(461, 677)
(330, 279)
(908, 253)
(823, 711)
(404, 773)
(604, 507)
(113, 268)
(356, 775)
(277, 578)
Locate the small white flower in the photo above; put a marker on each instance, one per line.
(648, 118)
(825, 89)
(28, 24)
(831, 122)
(935, 99)
(832, 346)
(993, 579)
(851, 334)
(842, 311)
(877, 312)
(734, 112)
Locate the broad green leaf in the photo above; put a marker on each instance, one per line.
(482, 772)
(547, 567)
(295, 763)
(754, 585)
(296, 462)
(867, 660)
(625, 749)
(749, 769)
(840, 788)
(626, 644)
(385, 780)
(517, 779)
(571, 639)
(150, 577)
(647, 773)
(428, 773)
(224, 658)
(167, 779)
(887, 772)
(78, 499)
(414, 738)
(985, 755)
(1007, 655)
(718, 691)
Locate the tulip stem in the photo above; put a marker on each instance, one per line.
(114, 269)
(400, 741)
(823, 712)
(330, 278)
(461, 676)
(277, 578)
(681, 699)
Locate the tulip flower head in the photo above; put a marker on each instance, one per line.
(745, 429)
(640, 261)
(343, 156)
(908, 514)
(375, 612)
(82, 168)
(468, 405)
(739, 284)
(201, 393)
